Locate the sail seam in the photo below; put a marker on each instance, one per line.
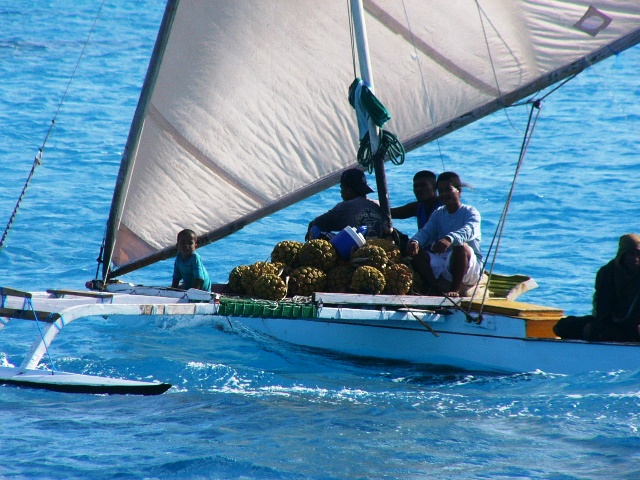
(233, 226)
(530, 88)
(396, 27)
(166, 126)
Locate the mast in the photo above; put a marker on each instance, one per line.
(357, 12)
(126, 164)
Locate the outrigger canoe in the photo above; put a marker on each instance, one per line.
(497, 334)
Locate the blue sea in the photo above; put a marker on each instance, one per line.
(248, 407)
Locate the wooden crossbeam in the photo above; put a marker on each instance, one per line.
(48, 317)
(11, 292)
(79, 293)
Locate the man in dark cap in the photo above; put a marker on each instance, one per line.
(355, 210)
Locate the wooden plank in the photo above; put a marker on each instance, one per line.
(11, 292)
(350, 299)
(540, 328)
(48, 317)
(510, 286)
(79, 293)
(515, 309)
(539, 320)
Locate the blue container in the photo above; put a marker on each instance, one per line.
(346, 241)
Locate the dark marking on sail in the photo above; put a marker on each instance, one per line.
(593, 21)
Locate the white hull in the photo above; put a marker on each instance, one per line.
(433, 331)
(459, 344)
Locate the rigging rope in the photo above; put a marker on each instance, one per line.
(351, 36)
(422, 81)
(536, 105)
(29, 303)
(368, 107)
(481, 15)
(38, 158)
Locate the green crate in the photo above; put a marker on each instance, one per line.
(239, 307)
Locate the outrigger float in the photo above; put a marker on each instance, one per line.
(497, 334)
(53, 311)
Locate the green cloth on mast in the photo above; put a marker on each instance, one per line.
(376, 110)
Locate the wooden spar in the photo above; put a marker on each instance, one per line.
(226, 230)
(357, 12)
(531, 88)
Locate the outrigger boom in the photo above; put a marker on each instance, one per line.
(53, 312)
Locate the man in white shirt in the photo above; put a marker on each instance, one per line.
(448, 246)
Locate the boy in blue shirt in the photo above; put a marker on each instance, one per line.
(427, 201)
(188, 266)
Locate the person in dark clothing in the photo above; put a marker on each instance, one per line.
(616, 302)
(427, 201)
(354, 211)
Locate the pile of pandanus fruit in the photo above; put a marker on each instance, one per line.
(299, 269)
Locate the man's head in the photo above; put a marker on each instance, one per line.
(449, 188)
(353, 184)
(629, 251)
(424, 185)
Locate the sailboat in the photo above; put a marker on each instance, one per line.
(244, 112)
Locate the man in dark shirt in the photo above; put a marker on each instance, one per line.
(424, 188)
(616, 301)
(355, 210)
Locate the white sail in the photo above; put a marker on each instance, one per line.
(245, 108)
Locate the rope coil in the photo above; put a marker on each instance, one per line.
(390, 147)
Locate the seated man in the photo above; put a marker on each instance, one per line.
(427, 201)
(448, 246)
(616, 306)
(355, 210)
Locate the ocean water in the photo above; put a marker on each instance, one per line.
(244, 406)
